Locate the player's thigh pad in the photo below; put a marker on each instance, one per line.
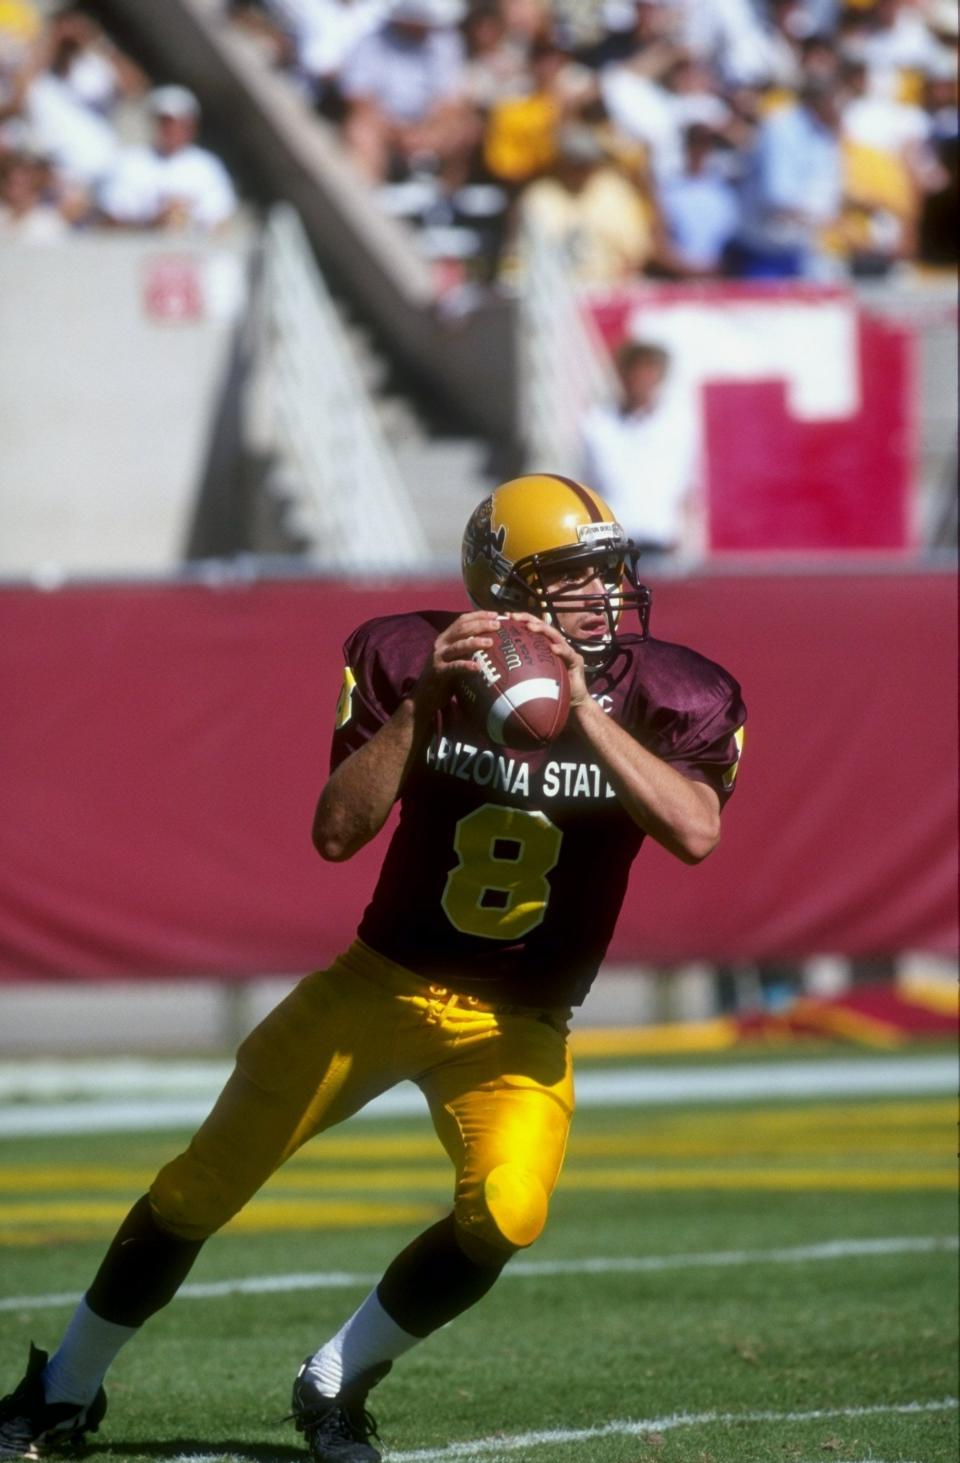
(313, 1061)
(502, 1110)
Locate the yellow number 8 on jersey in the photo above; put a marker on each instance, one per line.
(499, 887)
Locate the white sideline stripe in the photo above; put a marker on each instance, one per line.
(236, 1457)
(840, 1249)
(631, 1086)
(68, 1078)
(499, 1447)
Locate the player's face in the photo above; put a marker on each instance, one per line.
(587, 588)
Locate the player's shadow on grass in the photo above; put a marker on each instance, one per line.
(185, 1448)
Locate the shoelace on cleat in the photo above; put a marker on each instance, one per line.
(353, 1423)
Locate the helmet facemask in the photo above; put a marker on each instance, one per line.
(616, 568)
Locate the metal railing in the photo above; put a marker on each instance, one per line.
(565, 367)
(350, 500)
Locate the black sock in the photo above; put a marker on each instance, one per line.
(142, 1270)
(432, 1280)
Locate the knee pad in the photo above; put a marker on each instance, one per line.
(189, 1200)
(509, 1212)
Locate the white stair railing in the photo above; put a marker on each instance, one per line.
(565, 367)
(351, 501)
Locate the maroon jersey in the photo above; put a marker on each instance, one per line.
(507, 869)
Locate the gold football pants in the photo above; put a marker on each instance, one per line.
(497, 1079)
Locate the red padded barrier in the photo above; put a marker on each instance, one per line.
(162, 748)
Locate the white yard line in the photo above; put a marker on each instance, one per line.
(492, 1448)
(136, 1096)
(236, 1458)
(520, 1269)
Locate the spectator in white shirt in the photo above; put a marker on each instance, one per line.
(335, 30)
(634, 92)
(315, 37)
(694, 96)
(173, 184)
(62, 94)
(404, 88)
(642, 455)
(793, 191)
(874, 119)
(891, 164)
(81, 144)
(97, 73)
(26, 213)
(899, 40)
(700, 208)
(58, 122)
(749, 44)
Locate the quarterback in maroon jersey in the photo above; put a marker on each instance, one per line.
(496, 901)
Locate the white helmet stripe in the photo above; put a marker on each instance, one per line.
(542, 687)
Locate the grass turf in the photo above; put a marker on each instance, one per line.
(847, 1339)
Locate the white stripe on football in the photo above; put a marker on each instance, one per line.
(513, 698)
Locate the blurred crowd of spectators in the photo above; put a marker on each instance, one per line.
(673, 138)
(669, 138)
(66, 160)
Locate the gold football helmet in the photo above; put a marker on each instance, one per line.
(532, 529)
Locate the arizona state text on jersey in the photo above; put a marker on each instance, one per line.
(507, 870)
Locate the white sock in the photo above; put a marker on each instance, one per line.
(370, 1336)
(88, 1347)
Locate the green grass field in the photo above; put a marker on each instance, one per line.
(747, 1282)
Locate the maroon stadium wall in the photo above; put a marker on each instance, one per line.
(162, 748)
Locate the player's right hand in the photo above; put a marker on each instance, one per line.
(452, 656)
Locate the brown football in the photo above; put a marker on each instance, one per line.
(521, 692)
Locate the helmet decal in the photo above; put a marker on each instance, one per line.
(482, 543)
(608, 534)
(480, 539)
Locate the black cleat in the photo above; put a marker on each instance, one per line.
(337, 1429)
(30, 1425)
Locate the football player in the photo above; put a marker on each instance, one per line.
(495, 904)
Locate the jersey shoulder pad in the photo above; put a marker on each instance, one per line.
(396, 643)
(686, 709)
(682, 680)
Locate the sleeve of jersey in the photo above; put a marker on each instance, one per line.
(376, 677)
(709, 750)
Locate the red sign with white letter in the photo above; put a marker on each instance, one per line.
(805, 410)
(173, 289)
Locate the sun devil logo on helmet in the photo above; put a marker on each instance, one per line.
(480, 541)
(484, 546)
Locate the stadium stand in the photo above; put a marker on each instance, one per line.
(647, 142)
